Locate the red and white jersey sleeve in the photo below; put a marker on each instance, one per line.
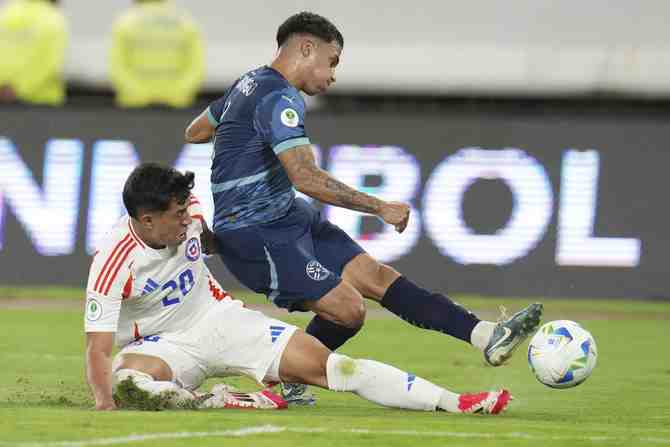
(195, 210)
(110, 278)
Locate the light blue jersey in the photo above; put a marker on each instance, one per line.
(259, 117)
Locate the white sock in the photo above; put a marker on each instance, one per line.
(449, 402)
(382, 384)
(481, 334)
(147, 383)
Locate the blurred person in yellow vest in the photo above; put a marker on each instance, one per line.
(157, 56)
(33, 37)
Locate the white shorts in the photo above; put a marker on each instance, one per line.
(231, 340)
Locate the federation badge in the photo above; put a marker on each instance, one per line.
(93, 310)
(193, 249)
(289, 117)
(316, 271)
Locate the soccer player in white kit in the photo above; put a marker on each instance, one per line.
(150, 291)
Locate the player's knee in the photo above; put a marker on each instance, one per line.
(126, 382)
(137, 377)
(353, 315)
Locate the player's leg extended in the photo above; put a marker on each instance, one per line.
(435, 311)
(410, 302)
(307, 360)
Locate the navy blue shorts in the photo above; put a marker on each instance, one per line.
(297, 258)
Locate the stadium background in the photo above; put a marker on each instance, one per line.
(529, 140)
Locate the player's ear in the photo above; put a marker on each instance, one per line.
(307, 47)
(146, 220)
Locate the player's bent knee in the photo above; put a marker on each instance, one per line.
(171, 395)
(353, 316)
(343, 305)
(353, 308)
(154, 366)
(138, 377)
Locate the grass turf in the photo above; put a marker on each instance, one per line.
(44, 398)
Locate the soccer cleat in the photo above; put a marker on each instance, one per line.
(493, 402)
(511, 332)
(297, 394)
(225, 398)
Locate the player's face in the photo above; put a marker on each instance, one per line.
(320, 67)
(170, 226)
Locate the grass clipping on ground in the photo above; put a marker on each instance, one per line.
(129, 397)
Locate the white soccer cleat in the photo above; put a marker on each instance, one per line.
(223, 397)
(493, 402)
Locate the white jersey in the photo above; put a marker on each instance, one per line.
(137, 291)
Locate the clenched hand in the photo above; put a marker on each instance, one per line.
(396, 214)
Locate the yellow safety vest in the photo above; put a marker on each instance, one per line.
(33, 37)
(157, 57)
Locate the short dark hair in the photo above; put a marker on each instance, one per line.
(309, 23)
(152, 187)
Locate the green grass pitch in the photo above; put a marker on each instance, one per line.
(44, 400)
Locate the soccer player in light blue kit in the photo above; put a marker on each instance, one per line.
(281, 246)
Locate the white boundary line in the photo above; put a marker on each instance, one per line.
(264, 429)
(249, 431)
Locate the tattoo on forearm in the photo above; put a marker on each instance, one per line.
(320, 185)
(352, 199)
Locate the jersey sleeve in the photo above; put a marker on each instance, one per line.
(195, 209)
(215, 111)
(110, 281)
(280, 120)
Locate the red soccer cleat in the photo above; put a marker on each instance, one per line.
(492, 402)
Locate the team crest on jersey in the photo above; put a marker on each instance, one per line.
(193, 249)
(316, 271)
(93, 310)
(289, 117)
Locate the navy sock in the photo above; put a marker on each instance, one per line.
(428, 310)
(330, 334)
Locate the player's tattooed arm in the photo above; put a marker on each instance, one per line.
(309, 179)
(200, 130)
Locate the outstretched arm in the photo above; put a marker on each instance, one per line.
(99, 368)
(309, 179)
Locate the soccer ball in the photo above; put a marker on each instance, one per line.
(562, 354)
